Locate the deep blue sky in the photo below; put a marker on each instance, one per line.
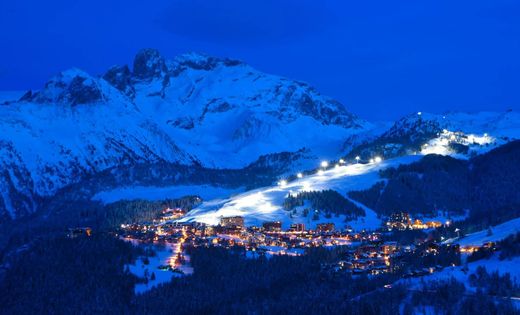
(382, 58)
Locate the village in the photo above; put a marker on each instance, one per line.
(368, 252)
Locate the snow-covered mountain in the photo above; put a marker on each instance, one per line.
(227, 113)
(191, 110)
(448, 134)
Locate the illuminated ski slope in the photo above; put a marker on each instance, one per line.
(266, 204)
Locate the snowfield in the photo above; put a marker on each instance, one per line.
(266, 204)
(492, 264)
(164, 253)
(498, 233)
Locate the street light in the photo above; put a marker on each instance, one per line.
(358, 158)
(299, 175)
(282, 183)
(378, 159)
(324, 164)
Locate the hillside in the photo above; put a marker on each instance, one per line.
(486, 185)
(417, 184)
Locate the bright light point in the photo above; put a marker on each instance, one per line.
(419, 113)
(341, 161)
(378, 159)
(358, 158)
(282, 183)
(425, 145)
(445, 130)
(324, 164)
(320, 172)
(485, 135)
(371, 161)
(299, 175)
(336, 166)
(452, 137)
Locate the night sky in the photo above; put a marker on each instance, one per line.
(382, 59)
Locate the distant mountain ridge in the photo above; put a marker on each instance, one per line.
(425, 133)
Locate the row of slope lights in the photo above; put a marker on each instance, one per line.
(325, 164)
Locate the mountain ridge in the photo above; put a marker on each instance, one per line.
(174, 111)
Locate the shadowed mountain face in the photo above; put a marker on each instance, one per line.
(190, 110)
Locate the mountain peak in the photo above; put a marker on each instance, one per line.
(148, 64)
(121, 78)
(72, 86)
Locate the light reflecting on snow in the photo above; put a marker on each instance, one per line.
(441, 144)
(266, 204)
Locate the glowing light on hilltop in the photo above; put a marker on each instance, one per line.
(299, 175)
(378, 159)
(419, 113)
(324, 164)
(282, 183)
(341, 161)
(371, 161)
(320, 172)
(358, 158)
(485, 134)
(453, 137)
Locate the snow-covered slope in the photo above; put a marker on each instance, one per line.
(192, 109)
(266, 204)
(76, 125)
(494, 234)
(462, 273)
